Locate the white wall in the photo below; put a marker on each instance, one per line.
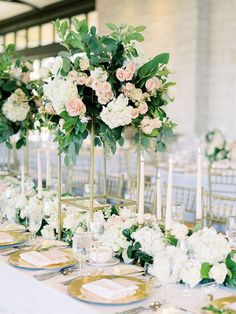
(222, 66)
(199, 34)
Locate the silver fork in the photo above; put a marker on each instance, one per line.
(151, 307)
(64, 271)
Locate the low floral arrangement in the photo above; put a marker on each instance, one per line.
(18, 102)
(182, 255)
(104, 80)
(216, 147)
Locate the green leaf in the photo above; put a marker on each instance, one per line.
(140, 28)
(66, 65)
(64, 28)
(9, 145)
(205, 268)
(64, 54)
(160, 146)
(10, 86)
(72, 152)
(67, 160)
(150, 68)
(111, 26)
(136, 36)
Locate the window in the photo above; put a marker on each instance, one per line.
(33, 38)
(21, 39)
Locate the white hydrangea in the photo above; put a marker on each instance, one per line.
(113, 236)
(151, 240)
(179, 230)
(59, 91)
(168, 264)
(98, 74)
(117, 112)
(15, 110)
(207, 246)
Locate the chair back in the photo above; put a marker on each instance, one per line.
(222, 181)
(217, 208)
(184, 196)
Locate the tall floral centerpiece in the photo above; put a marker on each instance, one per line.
(18, 103)
(103, 80)
(216, 147)
(101, 86)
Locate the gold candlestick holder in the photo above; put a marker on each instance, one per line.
(105, 199)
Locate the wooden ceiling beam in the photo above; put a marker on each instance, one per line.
(61, 9)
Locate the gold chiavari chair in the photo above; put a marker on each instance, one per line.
(183, 196)
(149, 193)
(217, 208)
(114, 185)
(222, 181)
(79, 179)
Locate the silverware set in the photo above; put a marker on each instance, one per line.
(64, 271)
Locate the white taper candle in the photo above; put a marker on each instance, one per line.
(168, 220)
(158, 195)
(22, 179)
(40, 188)
(199, 186)
(141, 192)
(48, 171)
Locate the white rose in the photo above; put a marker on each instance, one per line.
(191, 272)
(218, 272)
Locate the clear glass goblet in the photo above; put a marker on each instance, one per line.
(34, 222)
(231, 230)
(81, 245)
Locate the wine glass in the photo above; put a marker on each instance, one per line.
(34, 222)
(81, 245)
(177, 213)
(231, 230)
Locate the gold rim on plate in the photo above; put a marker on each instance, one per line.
(76, 290)
(17, 238)
(16, 260)
(224, 303)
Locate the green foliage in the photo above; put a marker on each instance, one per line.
(215, 310)
(231, 276)
(8, 85)
(205, 268)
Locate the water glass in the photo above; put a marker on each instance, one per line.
(97, 229)
(231, 230)
(177, 213)
(34, 222)
(81, 245)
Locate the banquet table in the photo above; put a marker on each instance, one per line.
(21, 293)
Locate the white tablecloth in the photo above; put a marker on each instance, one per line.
(20, 293)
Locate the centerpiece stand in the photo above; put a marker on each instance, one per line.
(78, 202)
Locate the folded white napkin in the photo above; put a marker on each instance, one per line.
(110, 289)
(41, 259)
(232, 306)
(5, 237)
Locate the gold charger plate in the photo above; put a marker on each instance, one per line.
(17, 238)
(16, 260)
(76, 290)
(223, 303)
